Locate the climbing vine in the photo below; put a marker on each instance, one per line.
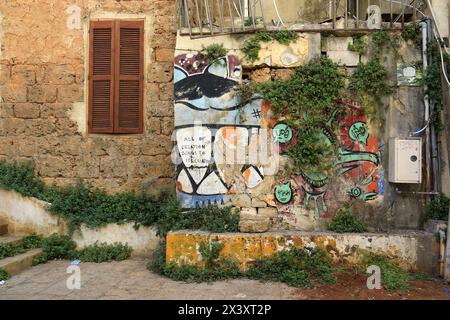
(306, 100)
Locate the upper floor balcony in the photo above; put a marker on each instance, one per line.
(201, 18)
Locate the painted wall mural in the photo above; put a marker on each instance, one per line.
(357, 172)
(211, 123)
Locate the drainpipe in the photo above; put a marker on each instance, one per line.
(424, 26)
(434, 136)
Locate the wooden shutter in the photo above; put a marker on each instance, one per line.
(101, 72)
(129, 77)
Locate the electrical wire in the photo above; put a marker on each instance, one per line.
(278, 13)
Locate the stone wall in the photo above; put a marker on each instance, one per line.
(43, 89)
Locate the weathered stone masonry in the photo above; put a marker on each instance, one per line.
(43, 114)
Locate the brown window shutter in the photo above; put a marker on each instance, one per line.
(101, 71)
(129, 77)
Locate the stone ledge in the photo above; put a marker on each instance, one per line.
(412, 249)
(19, 263)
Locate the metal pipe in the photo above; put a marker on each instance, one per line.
(427, 104)
(434, 145)
(430, 193)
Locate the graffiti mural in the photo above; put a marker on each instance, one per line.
(211, 124)
(357, 167)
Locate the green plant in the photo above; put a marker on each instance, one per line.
(381, 40)
(252, 46)
(296, 267)
(59, 247)
(172, 217)
(393, 277)
(104, 252)
(213, 52)
(210, 253)
(344, 221)
(20, 177)
(358, 45)
(312, 153)
(437, 208)
(413, 33)
(4, 275)
(307, 100)
(32, 241)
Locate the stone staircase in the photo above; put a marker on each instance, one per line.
(18, 263)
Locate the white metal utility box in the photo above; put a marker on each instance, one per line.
(405, 160)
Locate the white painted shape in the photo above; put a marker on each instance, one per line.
(194, 145)
(212, 185)
(184, 182)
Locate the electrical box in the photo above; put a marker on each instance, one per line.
(405, 160)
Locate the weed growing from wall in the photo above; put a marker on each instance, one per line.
(344, 221)
(213, 52)
(437, 208)
(252, 46)
(307, 100)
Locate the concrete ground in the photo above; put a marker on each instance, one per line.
(131, 280)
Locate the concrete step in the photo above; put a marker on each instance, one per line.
(12, 239)
(19, 263)
(3, 228)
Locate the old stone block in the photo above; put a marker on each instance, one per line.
(161, 72)
(71, 93)
(254, 225)
(161, 108)
(42, 93)
(164, 54)
(261, 75)
(249, 213)
(24, 74)
(256, 203)
(241, 201)
(347, 58)
(268, 212)
(26, 110)
(13, 93)
(57, 74)
(181, 248)
(243, 249)
(166, 91)
(336, 43)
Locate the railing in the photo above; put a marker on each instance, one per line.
(201, 18)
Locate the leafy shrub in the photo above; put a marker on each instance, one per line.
(9, 250)
(438, 208)
(393, 277)
(214, 219)
(104, 252)
(20, 177)
(32, 241)
(81, 204)
(344, 221)
(370, 79)
(4, 275)
(296, 267)
(58, 247)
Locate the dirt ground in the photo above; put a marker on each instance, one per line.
(351, 285)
